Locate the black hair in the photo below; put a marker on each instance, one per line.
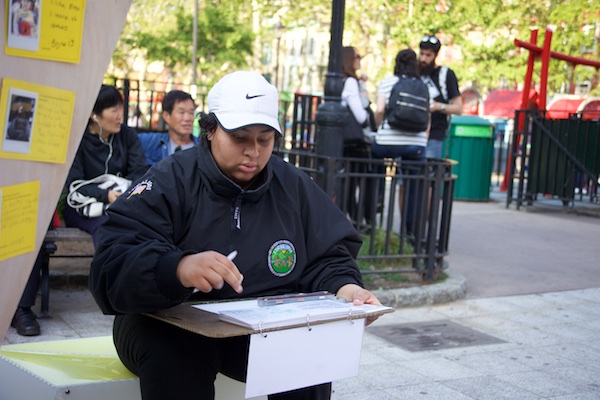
(427, 43)
(108, 97)
(406, 63)
(208, 123)
(174, 97)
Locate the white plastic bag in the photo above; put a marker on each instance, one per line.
(90, 207)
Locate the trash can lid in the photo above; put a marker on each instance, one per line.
(469, 120)
(471, 126)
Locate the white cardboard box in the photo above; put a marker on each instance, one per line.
(78, 369)
(65, 369)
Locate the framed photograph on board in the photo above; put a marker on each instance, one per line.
(23, 27)
(20, 115)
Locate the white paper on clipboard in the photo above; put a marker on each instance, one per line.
(290, 359)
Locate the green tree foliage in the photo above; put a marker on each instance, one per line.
(490, 58)
(576, 32)
(230, 34)
(484, 32)
(381, 28)
(224, 44)
(293, 13)
(143, 16)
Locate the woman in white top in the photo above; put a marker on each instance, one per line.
(354, 96)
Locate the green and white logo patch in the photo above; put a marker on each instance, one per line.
(282, 258)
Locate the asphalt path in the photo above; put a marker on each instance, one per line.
(537, 249)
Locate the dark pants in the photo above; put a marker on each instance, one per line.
(89, 225)
(33, 283)
(31, 289)
(362, 150)
(406, 153)
(173, 363)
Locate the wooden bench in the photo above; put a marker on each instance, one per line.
(61, 243)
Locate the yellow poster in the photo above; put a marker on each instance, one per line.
(18, 218)
(45, 29)
(37, 121)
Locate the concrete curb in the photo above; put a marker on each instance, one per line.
(453, 288)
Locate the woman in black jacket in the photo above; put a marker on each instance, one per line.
(169, 234)
(107, 147)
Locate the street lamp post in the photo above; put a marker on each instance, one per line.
(331, 116)
(195, 45)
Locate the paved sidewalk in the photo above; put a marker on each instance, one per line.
(539, 346)
(541, 248)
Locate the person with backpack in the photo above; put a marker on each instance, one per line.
(443, 91)
(403, 119)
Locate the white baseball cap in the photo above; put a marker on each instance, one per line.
(244, 98)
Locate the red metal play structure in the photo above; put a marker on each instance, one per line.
(544, 53)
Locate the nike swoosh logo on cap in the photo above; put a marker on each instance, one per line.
(253, 97)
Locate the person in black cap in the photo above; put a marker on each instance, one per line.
(443, 92)
(165, 242)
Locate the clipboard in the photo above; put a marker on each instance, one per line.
(205, 323)
(200, 322)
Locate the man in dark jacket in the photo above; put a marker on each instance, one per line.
(166, 241)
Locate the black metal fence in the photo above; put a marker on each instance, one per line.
(304, 129)
(403, 210)
(142, 101)
(502, 136)
(557, 158)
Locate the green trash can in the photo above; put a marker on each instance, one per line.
(470, 141)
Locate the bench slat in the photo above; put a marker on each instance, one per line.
(67, 235)
(77, 243)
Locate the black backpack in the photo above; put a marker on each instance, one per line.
(408, 105)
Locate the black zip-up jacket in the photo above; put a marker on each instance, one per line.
(122, 155)
(289, 235)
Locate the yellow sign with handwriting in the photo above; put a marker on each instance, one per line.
(49, 29)
(18, 218)
(37, 124)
